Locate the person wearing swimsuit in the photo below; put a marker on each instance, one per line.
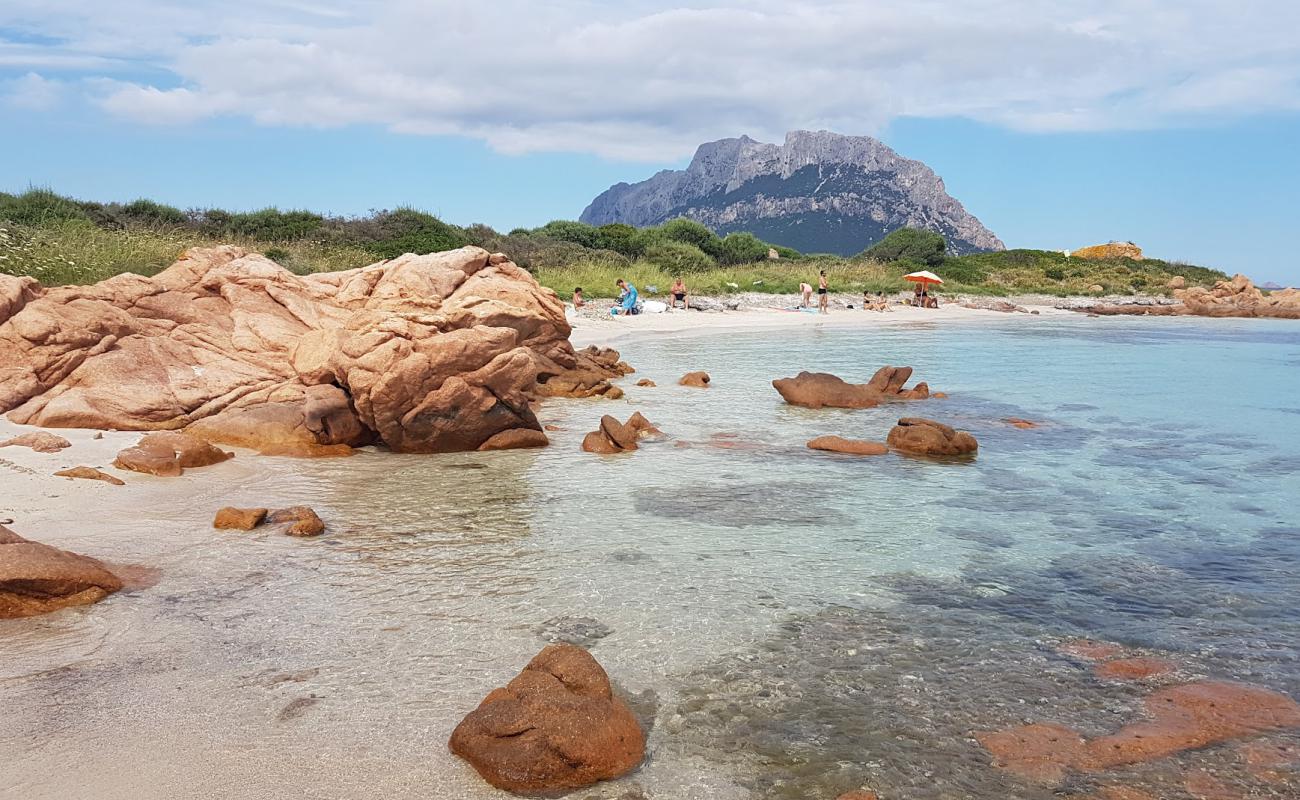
(823, 300)
(679, 294)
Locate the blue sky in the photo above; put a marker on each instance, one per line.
(1059, 124)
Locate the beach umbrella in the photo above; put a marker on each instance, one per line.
(925, 276)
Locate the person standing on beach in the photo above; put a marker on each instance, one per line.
(823, 300)
(805, 290)
(578, 300)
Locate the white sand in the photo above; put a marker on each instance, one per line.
(610, 331)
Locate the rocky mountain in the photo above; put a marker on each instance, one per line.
(820, 192)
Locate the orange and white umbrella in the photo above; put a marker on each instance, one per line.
(924, 276)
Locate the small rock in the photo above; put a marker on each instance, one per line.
(554, 428)
(699, 380)
(168, 453)
(582, 631)
(302, 521)
(1017, 422)
(90, 474)
(516, 439)
(646, 382)
(239, 519)
(1132, 669)
(925, 437)
(40, 441)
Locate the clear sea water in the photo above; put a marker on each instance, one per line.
(788, 624)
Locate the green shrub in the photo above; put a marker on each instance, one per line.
(742, 248)
(623, 239)
(678, 257)
(923, 247)
(39, 207)
(150, 213)
(389, 234)
(688, 231)
(274, 225)
(958, 271)
(1055, 273)
(278, 254)
(569, 231)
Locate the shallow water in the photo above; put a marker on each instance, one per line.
(789, 624)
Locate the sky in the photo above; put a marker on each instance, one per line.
(1171, 123)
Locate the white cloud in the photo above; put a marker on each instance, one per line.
(649, 80)
(32, 92)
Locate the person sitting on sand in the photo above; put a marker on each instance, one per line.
(578, 300)
(679, 294)
(805, 291)
(931, 301)
(823, 300)
(918, 294)
(882, 302)
(626, 299)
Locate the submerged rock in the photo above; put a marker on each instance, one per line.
(925, 437)
(90, 474)
(856, 447)
(40, 441)
(581, 631)
(646, 382)
(427, 353)
(1133, 669)
(168, 454)
(37, 579)
(557, 726)
(699, 380)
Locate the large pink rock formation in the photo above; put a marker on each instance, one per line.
(1235, 298)
(425, 353)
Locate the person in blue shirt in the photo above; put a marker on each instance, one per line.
(627, 299)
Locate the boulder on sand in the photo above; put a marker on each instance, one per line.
(90, 474)
(823, 390)
(699, 380)
(925, 437)
(854, 447)
(36, 578)
(556, 727)
(40, 441)
(168, 453)
(429, 353)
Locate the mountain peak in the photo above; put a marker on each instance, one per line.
(819, 191)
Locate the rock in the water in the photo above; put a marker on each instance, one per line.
(428, 353)
(1180, 718)
(616, 437)
(1133, 669)
(557, 726)
(646, 382)
(517, 439)
(1023, 424)
(823, 390)
(860, 794)
(297, 521)
(168, 453)
(699, 380)
(37, 579)
(582, 631)
(90, 474)
(856, 447)
(239, 519)
(925, 437)
(588, 375)
(40, 441)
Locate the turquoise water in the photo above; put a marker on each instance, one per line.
(788, 624)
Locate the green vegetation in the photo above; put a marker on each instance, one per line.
(926, 248)
(60, 240)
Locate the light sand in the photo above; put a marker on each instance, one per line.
(612, 330)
